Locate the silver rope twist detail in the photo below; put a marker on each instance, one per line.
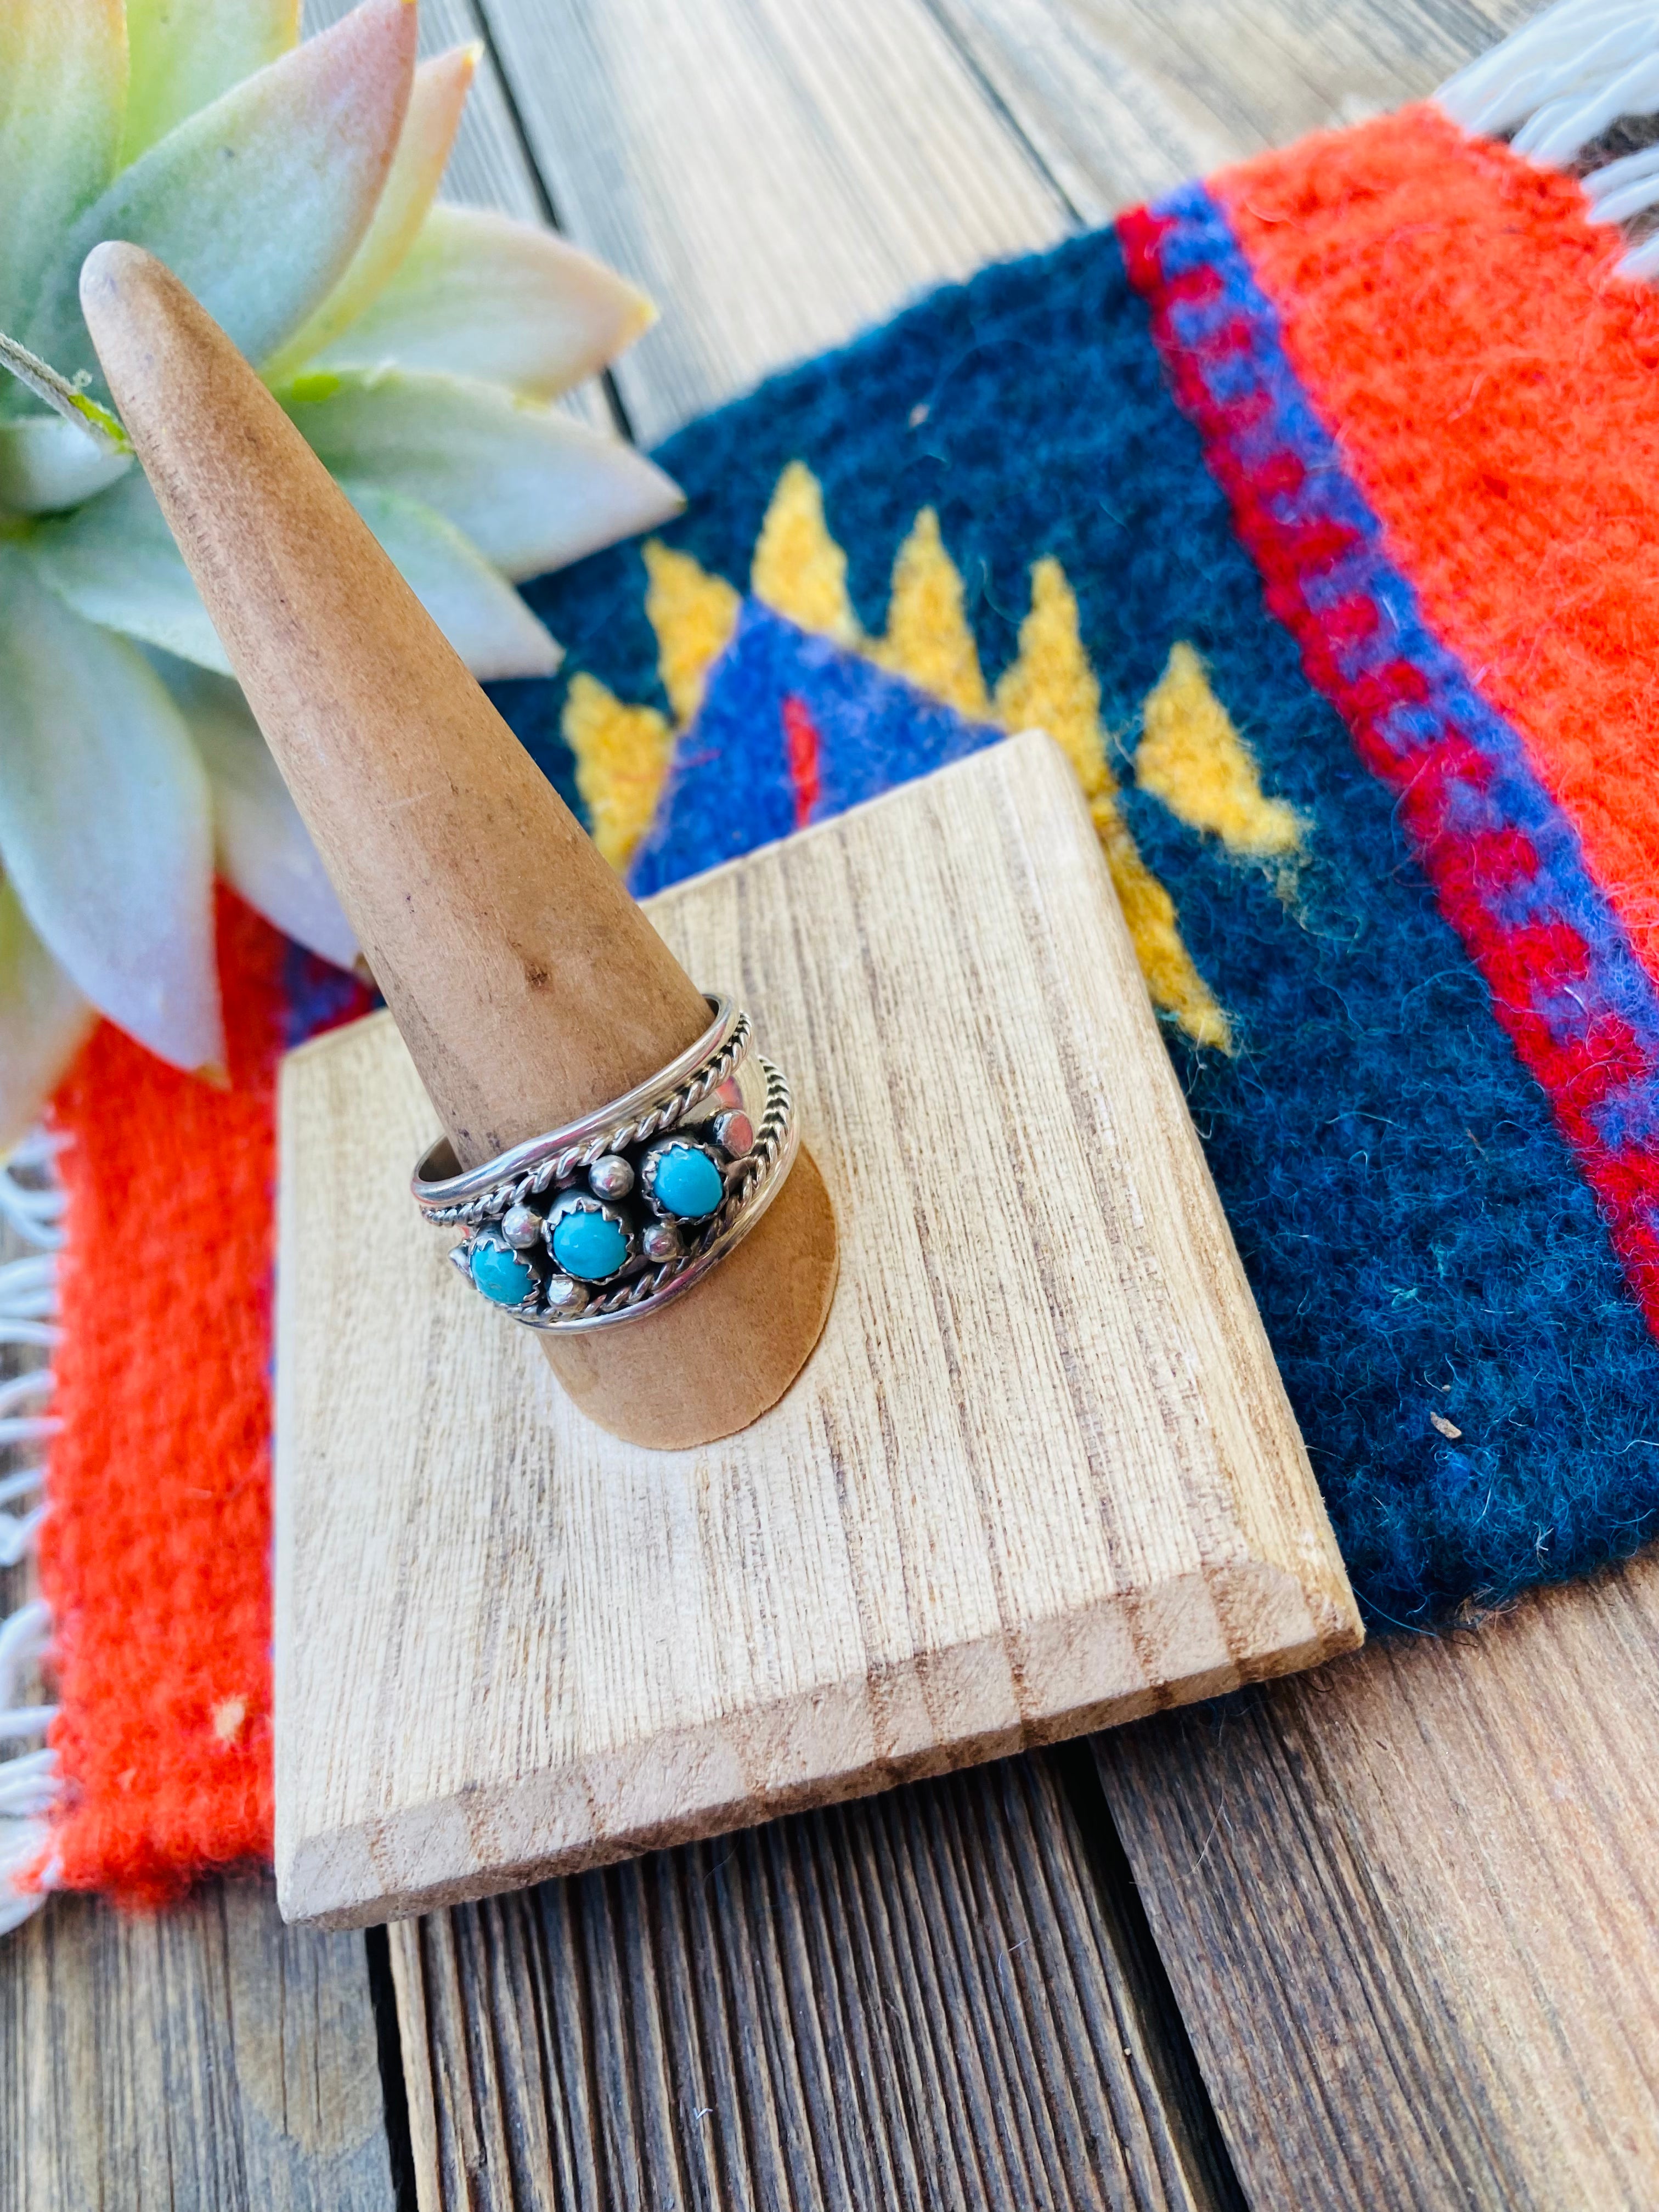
(565, 1165)
(745, 1178)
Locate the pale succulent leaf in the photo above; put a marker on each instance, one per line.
(265, 851)
(185, 54)
(258, 201)
(482, 295)
(530, 487)
(47, 464)
(62, 88)
(43, 1021)
(436, 101)
(105, 831)
(478, 611)
(114, 561)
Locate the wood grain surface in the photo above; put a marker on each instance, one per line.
(931, 1999)
(1119, 100)
(1411, 1907)
(205, 2060)
(1040, 1474)
(777, 173)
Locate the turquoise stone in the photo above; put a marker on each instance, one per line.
(589, 1247)
(686, 1182)
(508, 1278)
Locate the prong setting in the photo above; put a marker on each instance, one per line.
(609, 1216)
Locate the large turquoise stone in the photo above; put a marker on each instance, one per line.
(504, 1276)
(589, 1247)
(686, 1181)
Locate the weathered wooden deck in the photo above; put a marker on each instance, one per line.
(1386, 1936)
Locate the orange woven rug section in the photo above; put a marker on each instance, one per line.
(154, 1555)
(1495, 390)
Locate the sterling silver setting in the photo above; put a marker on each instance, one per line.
(714, 1131)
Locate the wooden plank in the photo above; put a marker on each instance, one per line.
(926, 2000)
(1121, 99)
(1411, 1907)
(206, 2059)
(776, 175)
(1040, 1474)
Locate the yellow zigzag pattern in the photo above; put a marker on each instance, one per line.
(1190, 755)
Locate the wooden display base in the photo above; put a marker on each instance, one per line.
(1039, 1475)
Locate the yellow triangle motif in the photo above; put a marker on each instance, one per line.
(622, 752)
(1193, 758)
(1051, 686)
(621, 757)
(694, 615)
(799, 569)
(928, 639)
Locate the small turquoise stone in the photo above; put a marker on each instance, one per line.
(589, 1247)
(508, 1278)
(686, 1182)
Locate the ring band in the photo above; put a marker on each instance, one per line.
(608, 1217)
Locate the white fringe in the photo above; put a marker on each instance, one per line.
(29, 1310)
(1557, 83)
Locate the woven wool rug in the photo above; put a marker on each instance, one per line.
(1316, 512)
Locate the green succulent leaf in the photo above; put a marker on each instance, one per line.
(476, 610)
(106, 832)
(47, 464)
(264, 851)
(43, 1021)
(529, 486)
(258, 201)
(436, 101)
(63, 88)
(481, 296)
(183, 54)
(114, 561)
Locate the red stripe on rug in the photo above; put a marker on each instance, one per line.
(803, 748)
(1459, 325)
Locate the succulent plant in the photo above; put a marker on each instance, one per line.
(417, 345)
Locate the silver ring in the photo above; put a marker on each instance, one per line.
(607, 1218)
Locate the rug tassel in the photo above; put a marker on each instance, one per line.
(1555, 85)
(32, 1202)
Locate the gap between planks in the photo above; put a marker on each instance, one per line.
(924, 2000)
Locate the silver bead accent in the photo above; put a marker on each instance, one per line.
(566, 1296)
(460, 1256)
(659, 1241)
(611, 1176)
(734, 1133)
(521, 1225)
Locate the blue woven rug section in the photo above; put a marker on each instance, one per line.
(1424, 1254)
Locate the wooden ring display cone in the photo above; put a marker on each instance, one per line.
(527, 984)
